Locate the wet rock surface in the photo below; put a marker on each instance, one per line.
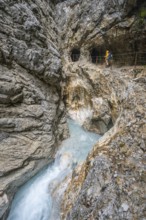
(110, 185)
(32, 116)
(89, 98)
(36, 39)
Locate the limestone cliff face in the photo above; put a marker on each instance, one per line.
(89, 28)
(103, 24)
(110, 183)
(32, 116)
(89, 98)
(36, 40)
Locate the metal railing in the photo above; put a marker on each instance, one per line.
(131, 59)
(119, 59)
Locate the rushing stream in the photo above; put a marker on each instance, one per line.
(34, 200)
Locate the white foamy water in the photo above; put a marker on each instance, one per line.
(34, 200)
(81, 114)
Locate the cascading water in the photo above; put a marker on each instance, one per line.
(34, 201)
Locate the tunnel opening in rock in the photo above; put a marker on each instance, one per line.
(97, 55)
(94, 55)
(75, 54)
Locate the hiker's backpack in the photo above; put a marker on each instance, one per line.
(110, 56)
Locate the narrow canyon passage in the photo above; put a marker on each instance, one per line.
(39, 198)
(54, 65)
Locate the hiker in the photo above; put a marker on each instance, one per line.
(108, 58)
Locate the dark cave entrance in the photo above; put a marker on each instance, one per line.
(94, 55)
(75, 54)
(97, 55)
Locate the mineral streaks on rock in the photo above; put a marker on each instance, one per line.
(32, 116)
(89, 98)
(113, 178)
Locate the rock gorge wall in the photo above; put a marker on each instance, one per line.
(108, 24)
(87, 100)
(110, 183)
(36, 38)
(32, 114)
(85, 26)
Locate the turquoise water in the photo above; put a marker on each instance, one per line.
(35, 200)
